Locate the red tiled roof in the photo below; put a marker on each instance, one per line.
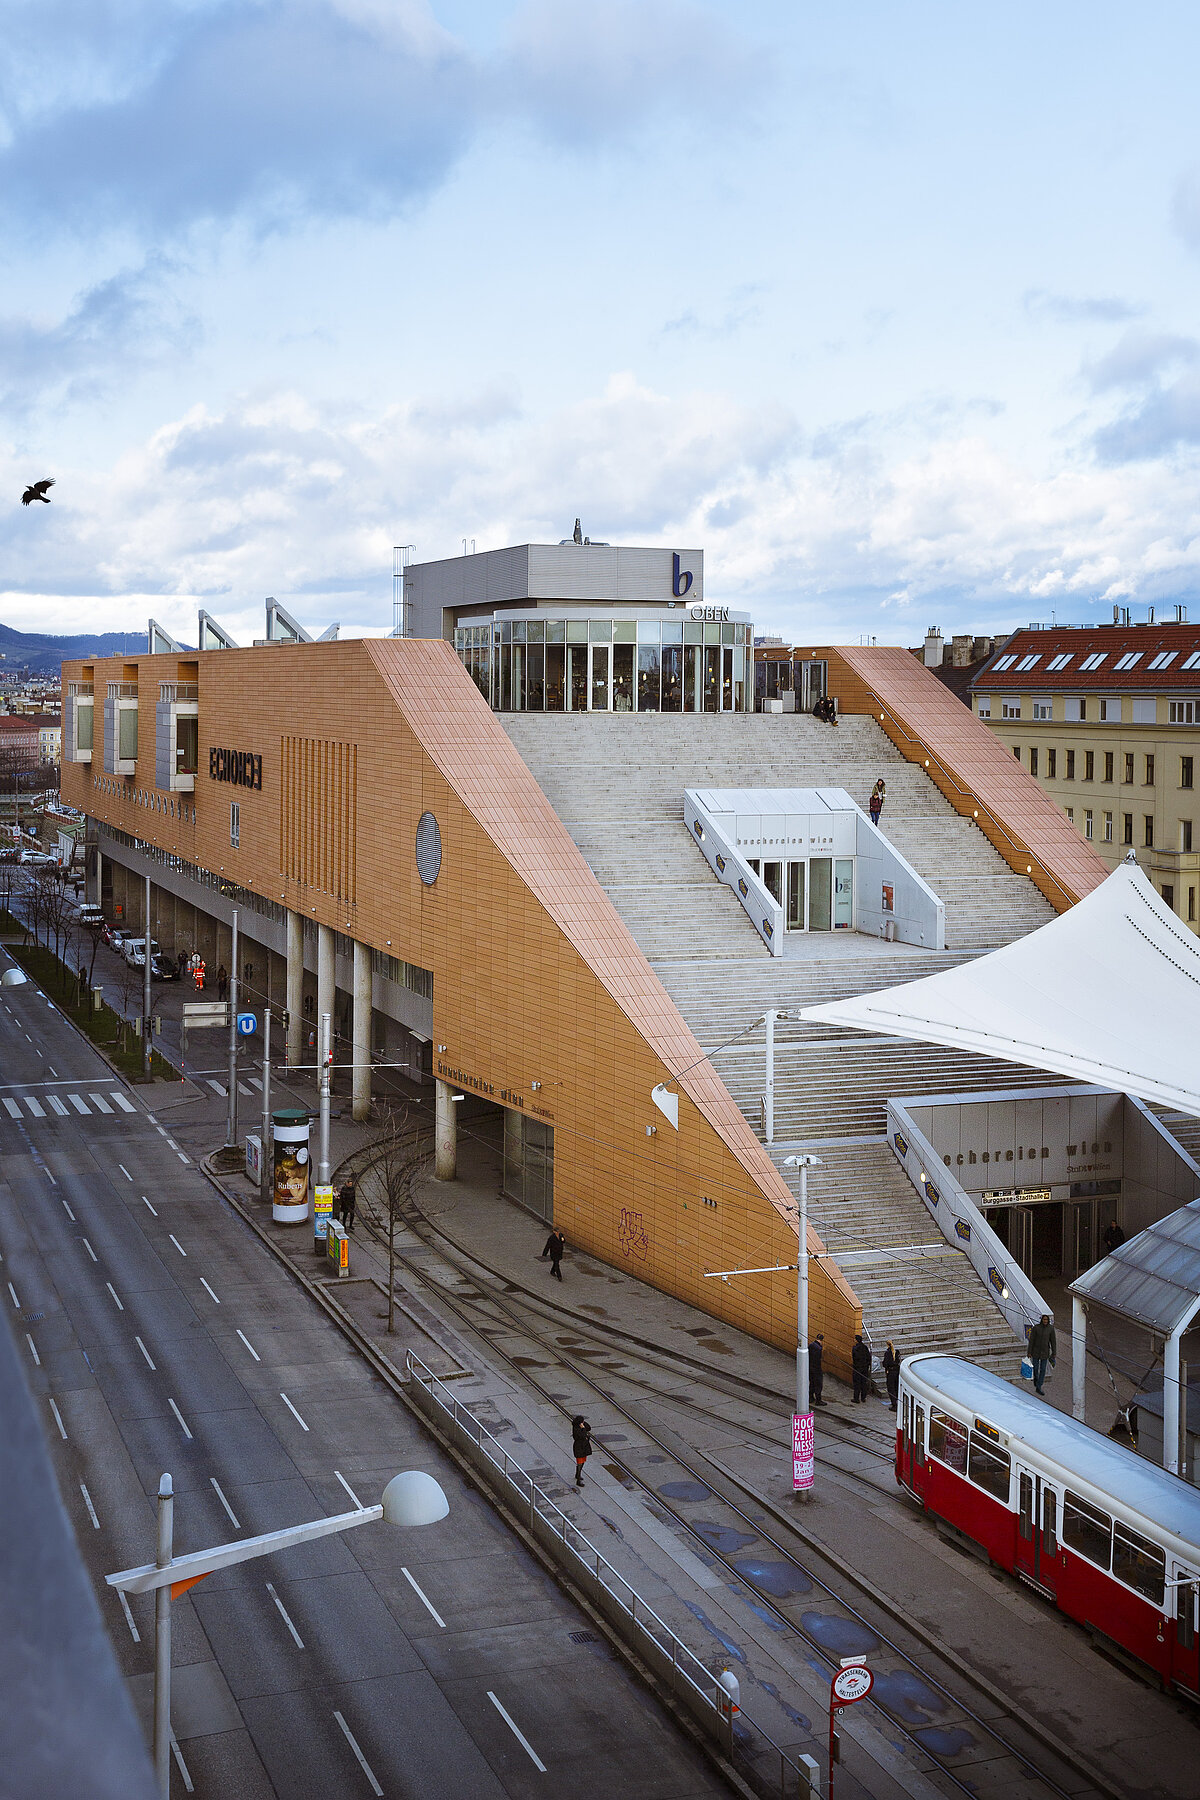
(1113, 644)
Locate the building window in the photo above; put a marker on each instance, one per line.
(1058, 662)
(1051, 764)
(1087, 825)
(1109, 760)
(1149, 771)
(1108, 828)
(1093, 661)
(1191, 905)
(1041, 709)
(1070, 815)
(1017, 751)
(1190, 661)
(1181, 712)
(1033, 763)
(1163, 660)
(1010, 708)
(1129, 767)
(1130, 660)
(1186, 765)
(1005, 662)
(1148, 823)
(1185, 834)
(1168, 895)
(985, 706)
(1028, 662)
(1127, 828)
(1070, 765)
(235, 825)
(1089, 765)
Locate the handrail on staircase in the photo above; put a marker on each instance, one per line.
(968, 794)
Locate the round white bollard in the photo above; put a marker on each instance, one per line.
(13, 978)
(733, 1688)
(414, 1498)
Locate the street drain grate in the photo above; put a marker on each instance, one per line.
(584, 1637)
(33, 1318)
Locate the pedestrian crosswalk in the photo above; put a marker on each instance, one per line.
(30, 1104)
(219, 1087)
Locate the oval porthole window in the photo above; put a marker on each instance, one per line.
(429, 848)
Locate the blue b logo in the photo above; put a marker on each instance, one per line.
(680, 581)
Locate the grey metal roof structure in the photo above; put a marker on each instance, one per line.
(1152, 1279)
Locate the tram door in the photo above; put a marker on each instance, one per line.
(1037, 1529)
(912, 1442)
(1185, 1667)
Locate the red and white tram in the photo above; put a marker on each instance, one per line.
(1110, 1538)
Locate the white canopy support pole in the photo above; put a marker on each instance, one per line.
(1078, 1358)
(1171, 1401)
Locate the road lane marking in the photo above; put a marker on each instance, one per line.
(54, 1072)
(124, 1104)
(62, 1430)
(35, 1106)
(283, 1615)
(177, 1243)
(215, 1297)
(87, 1501)
(49, 1177)
(424, 1599)
(216, 1086)
(121, 1166)
(153, 1209)
(349, 1489)
(144, 1351)
(30, 1039)
(12, 1290)
(180, 1417)
(291, 1409)
(363, 1764)
(70, 1214)
(112, 1290)
(249, 1346)
(161, 1129)
(524, 1742)
(100, 1104)
(33, 1350)
(181, 1156)
(224, 1502)
(12, 1107)
(89, 1250)
(56, 1105)
(172, 1142)
(81, 1106)
(137, 1638)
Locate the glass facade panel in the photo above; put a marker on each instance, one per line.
(684, 665)
(843, 894)
(187, 733)
(623, 677)
(127, 732)
(672, 668)
(712, 677)
(691, 656)
(535, 680)
(600, 656)
(649, 674)
(577, 677)
(820, 894)
(556, 676)
(795, 902)
(529, 1162)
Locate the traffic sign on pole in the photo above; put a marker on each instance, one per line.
(852, 1682)
(247, 1024)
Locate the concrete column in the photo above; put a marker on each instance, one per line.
(1078, 1357)
(1171, 1409)
(361, 1032)
(445, 1139)
(295, 987)
(326, 982)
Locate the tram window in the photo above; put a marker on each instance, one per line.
(1025, 1515)
(919, 1432)
(1049, 1521)
(1139, 1563)
(1185, 1613)
(948, 1441)
(989, 1468)
(1086, 1530)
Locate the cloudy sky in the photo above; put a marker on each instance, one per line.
(890, 307)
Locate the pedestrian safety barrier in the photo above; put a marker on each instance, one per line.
(641, 1628)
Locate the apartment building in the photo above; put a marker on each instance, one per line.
(1107, 719)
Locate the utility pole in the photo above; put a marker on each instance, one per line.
(231, 1128)
(325, 1167)
(162, 1642)
(147, 1051)
(769, 1018)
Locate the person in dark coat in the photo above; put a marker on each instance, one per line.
(581, 1443)
(556, 1243)
(860, 1363)
(222, 982)
(816, 1374)
(1043, 1349)
(875, 804)
(891, 1372)
(1114, 1237)
(347, 1200)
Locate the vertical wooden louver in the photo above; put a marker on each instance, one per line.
(318, 819)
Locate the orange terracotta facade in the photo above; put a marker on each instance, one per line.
(535, 976)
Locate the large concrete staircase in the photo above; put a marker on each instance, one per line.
(617, 782)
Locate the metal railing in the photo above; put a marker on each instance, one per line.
(647, 1634)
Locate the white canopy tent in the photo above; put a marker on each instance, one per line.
(1108, 993)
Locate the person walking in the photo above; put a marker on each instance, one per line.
(556, 1243)
(1042, 1349)
(875, 804)
(581, 1444)
(1114, 1237)
(816, 1374)
(222, 982)
(198, 975)
(891, 1374)
(347, 1199)
(860, 1364)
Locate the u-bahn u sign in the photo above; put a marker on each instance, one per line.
(241, 767)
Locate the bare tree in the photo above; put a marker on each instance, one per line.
(56, 910)
(94, 929)
(399, 1159)
(8, 882)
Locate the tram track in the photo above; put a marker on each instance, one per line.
(949, 1738)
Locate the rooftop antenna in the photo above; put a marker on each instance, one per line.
(401, 604)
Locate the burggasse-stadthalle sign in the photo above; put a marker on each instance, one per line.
(241, 767)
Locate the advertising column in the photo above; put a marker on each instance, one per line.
(290, 1168)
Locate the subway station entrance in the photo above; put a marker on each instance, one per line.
(1048, 1237)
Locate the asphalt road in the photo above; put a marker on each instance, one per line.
(160, 1335)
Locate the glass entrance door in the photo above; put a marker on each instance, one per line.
(577, 677)
(820, 894)
(712, 678)
(601, 699)
(795, 900)
(773, 880)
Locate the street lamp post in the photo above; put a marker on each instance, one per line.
(410, 1499)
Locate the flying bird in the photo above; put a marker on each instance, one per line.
(37, 491)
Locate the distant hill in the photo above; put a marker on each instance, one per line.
(44, 654)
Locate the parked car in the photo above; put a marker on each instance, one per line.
(163, 968)
(90, 915)
(116, 938)
(134, 950)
